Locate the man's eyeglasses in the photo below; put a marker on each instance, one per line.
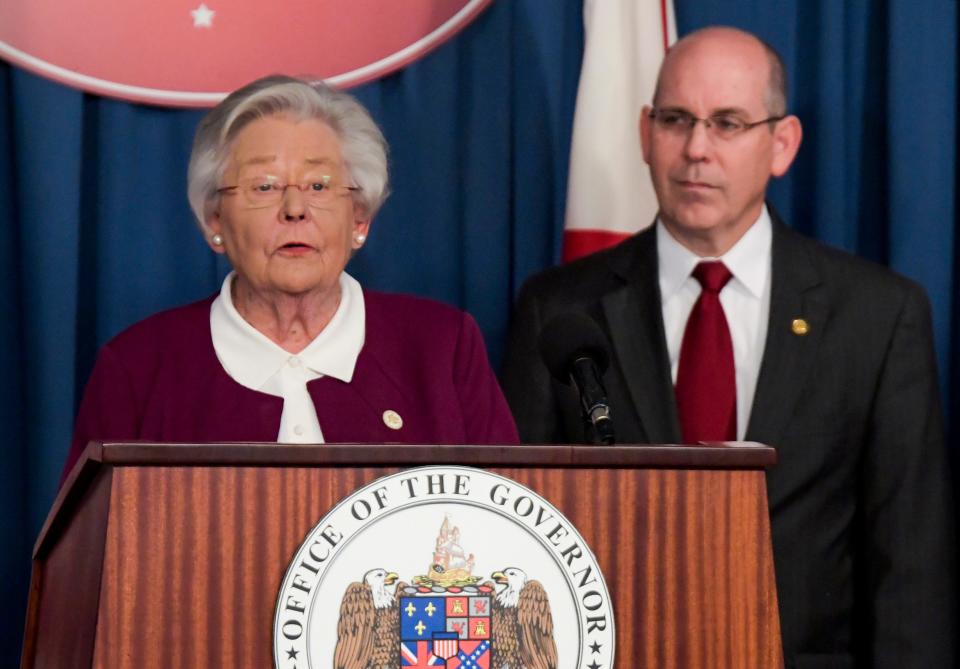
(719, 126)
(266, 191)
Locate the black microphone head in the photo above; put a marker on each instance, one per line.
(569, 336)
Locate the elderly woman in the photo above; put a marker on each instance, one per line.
(284, 179)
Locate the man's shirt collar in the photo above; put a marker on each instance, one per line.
(748, 260)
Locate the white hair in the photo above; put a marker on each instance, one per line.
(362, 144)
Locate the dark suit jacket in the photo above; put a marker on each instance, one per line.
(859, 500)
(160, 380)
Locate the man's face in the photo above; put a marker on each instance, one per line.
(710, 187)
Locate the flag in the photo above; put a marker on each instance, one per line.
(418, 654)
(609, 195)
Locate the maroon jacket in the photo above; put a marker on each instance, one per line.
(160, 380)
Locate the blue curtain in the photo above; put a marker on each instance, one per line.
(98, 233)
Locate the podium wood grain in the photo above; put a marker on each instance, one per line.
(193, 558)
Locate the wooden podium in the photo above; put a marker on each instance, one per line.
(171, 555)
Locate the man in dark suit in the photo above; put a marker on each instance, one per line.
(824, 356)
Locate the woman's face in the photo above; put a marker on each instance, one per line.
(289, 241)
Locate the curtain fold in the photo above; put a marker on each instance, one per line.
(16, 495)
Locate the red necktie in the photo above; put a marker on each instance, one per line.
(706, 382)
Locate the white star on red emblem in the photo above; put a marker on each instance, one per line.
(202, 16)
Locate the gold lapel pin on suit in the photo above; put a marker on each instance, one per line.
(799, 327)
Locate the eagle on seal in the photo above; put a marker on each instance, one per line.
(522, 624)
(368, 633)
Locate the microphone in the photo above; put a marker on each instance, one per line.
(575, 350)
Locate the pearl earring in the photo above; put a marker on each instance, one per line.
(361, 238)
(217, 239)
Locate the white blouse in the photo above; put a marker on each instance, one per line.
(254, 361)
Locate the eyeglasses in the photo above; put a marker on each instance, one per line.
(267, 190)
(719, 126)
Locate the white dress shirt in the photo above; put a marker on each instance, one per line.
(745, 300)
(254, 361)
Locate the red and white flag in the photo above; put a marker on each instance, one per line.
(609, 196)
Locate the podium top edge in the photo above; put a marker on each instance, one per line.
(102, 457)
(725, 455)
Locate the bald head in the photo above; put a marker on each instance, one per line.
(716, 135)
(720, 40)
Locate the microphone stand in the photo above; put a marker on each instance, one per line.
(598, 421)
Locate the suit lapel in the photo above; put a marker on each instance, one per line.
(346, 410)
(636, 330)
(788, 356)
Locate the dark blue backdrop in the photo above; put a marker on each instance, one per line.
(98, 233)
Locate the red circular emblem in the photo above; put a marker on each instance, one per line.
(190, 53)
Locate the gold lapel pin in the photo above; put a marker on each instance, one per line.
(799, 327)
(392, 419)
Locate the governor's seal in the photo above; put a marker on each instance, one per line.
(444, 567)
